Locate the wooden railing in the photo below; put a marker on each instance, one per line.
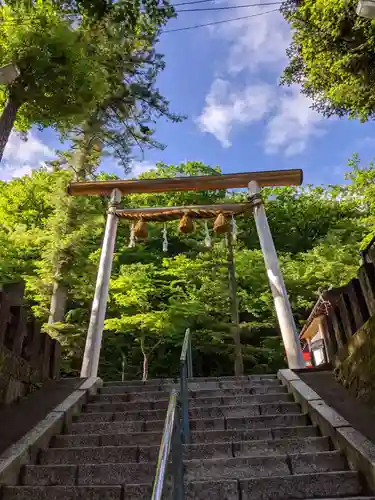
(27, 355)
(350, 307)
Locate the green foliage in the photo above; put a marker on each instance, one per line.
(88, 69)
(154, 296)
(63, 72)
(332, 56)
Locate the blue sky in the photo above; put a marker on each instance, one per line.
(225, 79)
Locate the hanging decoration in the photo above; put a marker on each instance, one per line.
(207, 239)
(165, 239)
(132, 236)
(234, 230)
(186, 224)
(140, 230)
(221, 225)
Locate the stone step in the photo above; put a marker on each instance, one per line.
(123, 407)
(158, 395)
(88, 474)
(323, 486)
(264, 421)
(201, 424)
(130, 389)
(302, 486)
(229, 449)
(281, 397)
(243, 467)
(130, 397)
(151, 382)
(195, 412)
(280, 446)
(254, 434)
(108, 427)
(154, 438)
(112, 439)
(162, 404)
(195, 470)
(62, 493)
(231, 378)
(90, 455)
(240, 391)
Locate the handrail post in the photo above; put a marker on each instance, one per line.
(177, 459)
(184, 403)
(189, 360)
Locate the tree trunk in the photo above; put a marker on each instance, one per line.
(236, 332)
(58, 302)
(145, 368)
(7, 120)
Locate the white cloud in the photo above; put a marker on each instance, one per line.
(293, 124)
(226, 108)
(256, 53)
(20, 156)
(290, 121)
(139, 167)
(255, 43)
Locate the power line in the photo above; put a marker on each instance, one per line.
(191, 3)
(227, 7)
(220, 22)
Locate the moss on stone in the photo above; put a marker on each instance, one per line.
(355, 368)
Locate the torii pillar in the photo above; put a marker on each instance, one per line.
(253, 181)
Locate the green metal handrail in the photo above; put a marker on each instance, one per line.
(171, 439)
(186, 372)
(173, 435)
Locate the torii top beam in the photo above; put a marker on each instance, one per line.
(198, 183)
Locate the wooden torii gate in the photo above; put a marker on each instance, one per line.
(252, 180)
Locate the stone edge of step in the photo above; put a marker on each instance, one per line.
(233, 448)
(359, 451)
(26, 449)
(323, 486)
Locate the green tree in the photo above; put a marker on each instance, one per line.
(331, 56)
(63, 74)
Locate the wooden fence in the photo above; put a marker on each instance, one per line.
(27, 355)
(349, 308)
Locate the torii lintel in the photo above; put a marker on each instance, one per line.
(270, 178)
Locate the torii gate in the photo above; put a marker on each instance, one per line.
(252, 180)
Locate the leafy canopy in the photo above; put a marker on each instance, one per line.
(63, 71)
(332, 56)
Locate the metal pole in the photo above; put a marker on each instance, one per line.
(282, 305)
(91, 356)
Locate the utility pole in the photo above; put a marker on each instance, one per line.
(236, 332)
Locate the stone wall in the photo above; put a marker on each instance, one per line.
(355, 363)
(28, 357)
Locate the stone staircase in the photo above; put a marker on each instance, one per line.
(250, 441)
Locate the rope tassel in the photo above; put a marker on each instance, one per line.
(140, 230)
(234, 230)
(165, 239)
(207, 239)
(132, 237)
(186, 224)
(221, 225)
